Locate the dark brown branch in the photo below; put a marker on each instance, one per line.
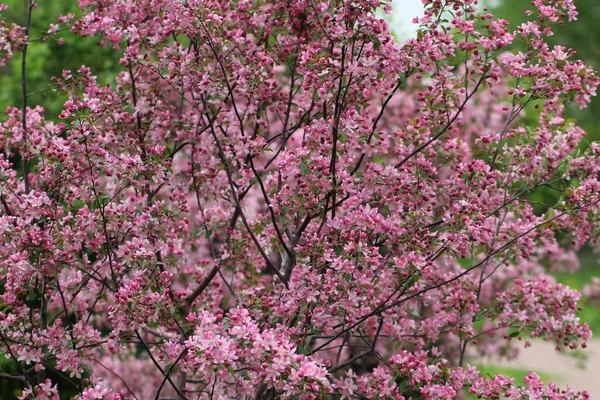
(169, 372)
(189, 300)
(377, 119)
(173, 385)
(445, 127)
(25, 161)
(236, 200)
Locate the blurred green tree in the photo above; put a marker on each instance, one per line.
(47, 57)
(582, 36)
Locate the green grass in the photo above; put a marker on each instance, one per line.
(516, 373)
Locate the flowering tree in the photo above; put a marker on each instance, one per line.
(278, 200)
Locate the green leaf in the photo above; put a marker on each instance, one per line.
(304, 169)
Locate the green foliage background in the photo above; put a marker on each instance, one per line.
(47, 58)
(583, 36)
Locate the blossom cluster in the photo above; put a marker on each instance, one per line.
(279, 200)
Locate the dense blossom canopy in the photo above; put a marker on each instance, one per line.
(276, 199)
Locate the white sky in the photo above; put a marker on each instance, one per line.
(405, 10)
(401, 18)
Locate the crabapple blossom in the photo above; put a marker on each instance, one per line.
(279, 200)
